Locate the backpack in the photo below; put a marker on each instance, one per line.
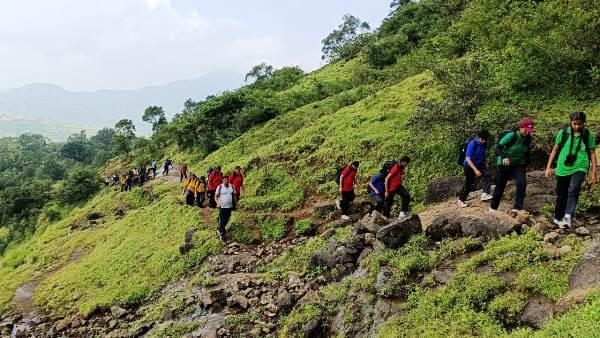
(462, 151)
(585, 136)
(387, 166)
(500, 149)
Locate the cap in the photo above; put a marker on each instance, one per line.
(527, 123)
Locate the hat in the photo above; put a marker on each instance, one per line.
(527, 123)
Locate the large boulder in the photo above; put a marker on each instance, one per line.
(586, 273)
(336, 255)
(371, 223)
(441, 189)
(485, 226)
(398, 232)
(537, 312)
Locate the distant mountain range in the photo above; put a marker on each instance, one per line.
(49, 109)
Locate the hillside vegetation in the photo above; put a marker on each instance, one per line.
(432, 74)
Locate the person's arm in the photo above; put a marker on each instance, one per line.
(218, 196)
(241, 185)
(468, 155)
(548, 172)
(341, 180)
(373, 188)
(503, 142)
(593, 179)
(387, 183)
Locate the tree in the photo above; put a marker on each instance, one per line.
(124, 136)
(346, 41)
(156, 116)
(82, 183)
(259, 72)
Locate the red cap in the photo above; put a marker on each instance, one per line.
(527, 123)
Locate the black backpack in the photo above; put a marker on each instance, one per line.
(462, 151)
(500, 149)
(387, 166)
(585, 137)
(338, 173)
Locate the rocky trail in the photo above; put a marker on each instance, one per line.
(234, 285)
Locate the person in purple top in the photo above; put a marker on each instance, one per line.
(474, 166)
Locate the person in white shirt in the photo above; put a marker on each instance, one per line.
(224, 195)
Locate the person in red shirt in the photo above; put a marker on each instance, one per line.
(347, 183)
(393, 186)
(237, 180)
(215, 178)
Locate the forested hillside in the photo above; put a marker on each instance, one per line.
(432, 74)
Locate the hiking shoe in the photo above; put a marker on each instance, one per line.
(567, 220)
(220, 236)
(345, 217)
(492, 211)
(560, 223)
(462, 204)
(514, 211)
(402, 215)
(486, 197)
(337, 205)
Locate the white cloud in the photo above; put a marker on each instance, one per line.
(87, 45)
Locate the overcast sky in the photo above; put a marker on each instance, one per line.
(128, 44)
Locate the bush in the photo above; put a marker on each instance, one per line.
(303, 227)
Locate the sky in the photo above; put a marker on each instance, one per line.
(87, 45)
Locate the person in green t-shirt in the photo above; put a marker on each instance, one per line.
(511, 163)
(575, 146)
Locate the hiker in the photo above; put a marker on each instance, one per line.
(168, 164)
(189, 190)
(183, 172)
(393, 186)
(153, 168)
(474, 167)
(124, 182)
(214, 180)
(115, 179)
(237, 180)
(576, 149)
(512, 156)
(225, 199)
(129, 180)
(143, 175)
(347, 182)
(377, 185)
(201, 191)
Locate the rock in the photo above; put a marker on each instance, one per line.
(551, 237)
(370, 239)
(62, 325)
(255, 332)
(442, 227)
(112, 324)
(214, 298)
(570, 299)
(537, 312)
(522, 217)
(582, 231)
(565, 249)
(285, 301)
(371, 223)
(551, 251)
(238, 301)
(586, 273)
(6, 324)
(440, 276)
(335, 254)
(441, 189)
(398, 232)
(340, 223)
(185, 248)
(324, 209)
(385, 285)
(382, 310)
(142, 329)
(117, 312)
(294, 280)
(314, 329)
(327, 233)
(94, 215)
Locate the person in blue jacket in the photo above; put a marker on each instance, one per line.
(474, 166)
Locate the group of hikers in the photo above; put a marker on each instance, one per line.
(137, 176)
(574, 151)
(215, 191)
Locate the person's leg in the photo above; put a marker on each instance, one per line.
(224, 215)
(573, 192)
(388, 203)
(405, 198)
(211, 199)
(469, 181)
(521, 183)
(378, 203)
(486, 177)
(200, 199)
(501, 180)
(562, 191)
(345, 202)
(180, 177)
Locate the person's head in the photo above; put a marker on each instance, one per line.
(404, 161)
(237, 169)
(577, 120)
(526, 126)
(483, 135)
(355, 164)
(202, 178)
(218, 168)
(225, 179)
